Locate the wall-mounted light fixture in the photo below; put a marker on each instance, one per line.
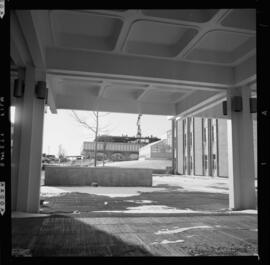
(236, 103)
(41, 90)
(18, 89)
(224, 108)
(253, 105)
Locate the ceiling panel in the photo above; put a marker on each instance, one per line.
(193, 15)
(222, 41)
(73, 87)
(158, 39)
(116, 92)
(241, 18)
(222, 47)
(85, 30)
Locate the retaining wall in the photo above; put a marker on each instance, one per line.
(104, 176)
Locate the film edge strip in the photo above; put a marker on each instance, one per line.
(2, 159)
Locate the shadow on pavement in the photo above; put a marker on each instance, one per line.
(59, 235)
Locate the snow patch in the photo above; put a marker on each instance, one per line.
(160, 209)
(140, 201)
(179, 230)
(112, 192)
(246, 211)
(165, 241)
(46, 191)
(151, 209)
(190, 183)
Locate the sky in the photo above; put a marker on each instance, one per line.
(62, 129)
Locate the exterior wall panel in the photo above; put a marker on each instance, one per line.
(185, 131)
(180, 147)
(222, 148)
(198, 146)
(205, 135)
(210, 146)
(213, 147)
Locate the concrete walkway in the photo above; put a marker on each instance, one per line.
(135, 236)
(178, 216)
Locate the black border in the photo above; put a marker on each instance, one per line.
(263, 133)
(5, 172)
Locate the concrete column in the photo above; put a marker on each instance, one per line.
(176, 146)
(210, 164)
(15, 156)
(192, 146)
(198, 146)
(187, 153)
(180, 147)
(240, 153)
(31, 145)
(173, 146)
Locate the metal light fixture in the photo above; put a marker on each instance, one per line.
(18, 89)
(237, 104)
(224, 107)
(253, 105)
(41, 90)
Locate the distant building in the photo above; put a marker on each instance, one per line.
(169, 138)
(116, 148)
(203, 147)
(157, 150)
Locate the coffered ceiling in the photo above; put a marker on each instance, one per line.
(146, 60)
(203, 35)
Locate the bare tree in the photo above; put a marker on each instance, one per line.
(96, 129)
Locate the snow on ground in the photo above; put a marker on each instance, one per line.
(139, 201)
(193, 183)
(202, 184)
(150, 209)
(179, 230)
(250, 211)
(165, 241)
(155, 209)
(26, 215)
(48, 191)
(171, 210)
(185, 184)
(181, 183)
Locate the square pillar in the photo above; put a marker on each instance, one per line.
(240, 152)
(176, 146)
(30, 145)
(173, 147)
(15, 155)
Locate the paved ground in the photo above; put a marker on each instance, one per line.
(178, 216)
(59, 235)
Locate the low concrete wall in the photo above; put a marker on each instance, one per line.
(104, 176)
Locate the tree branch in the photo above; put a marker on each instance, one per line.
(78, 119)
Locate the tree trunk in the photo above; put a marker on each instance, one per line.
(95, 159)
(104, 149)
